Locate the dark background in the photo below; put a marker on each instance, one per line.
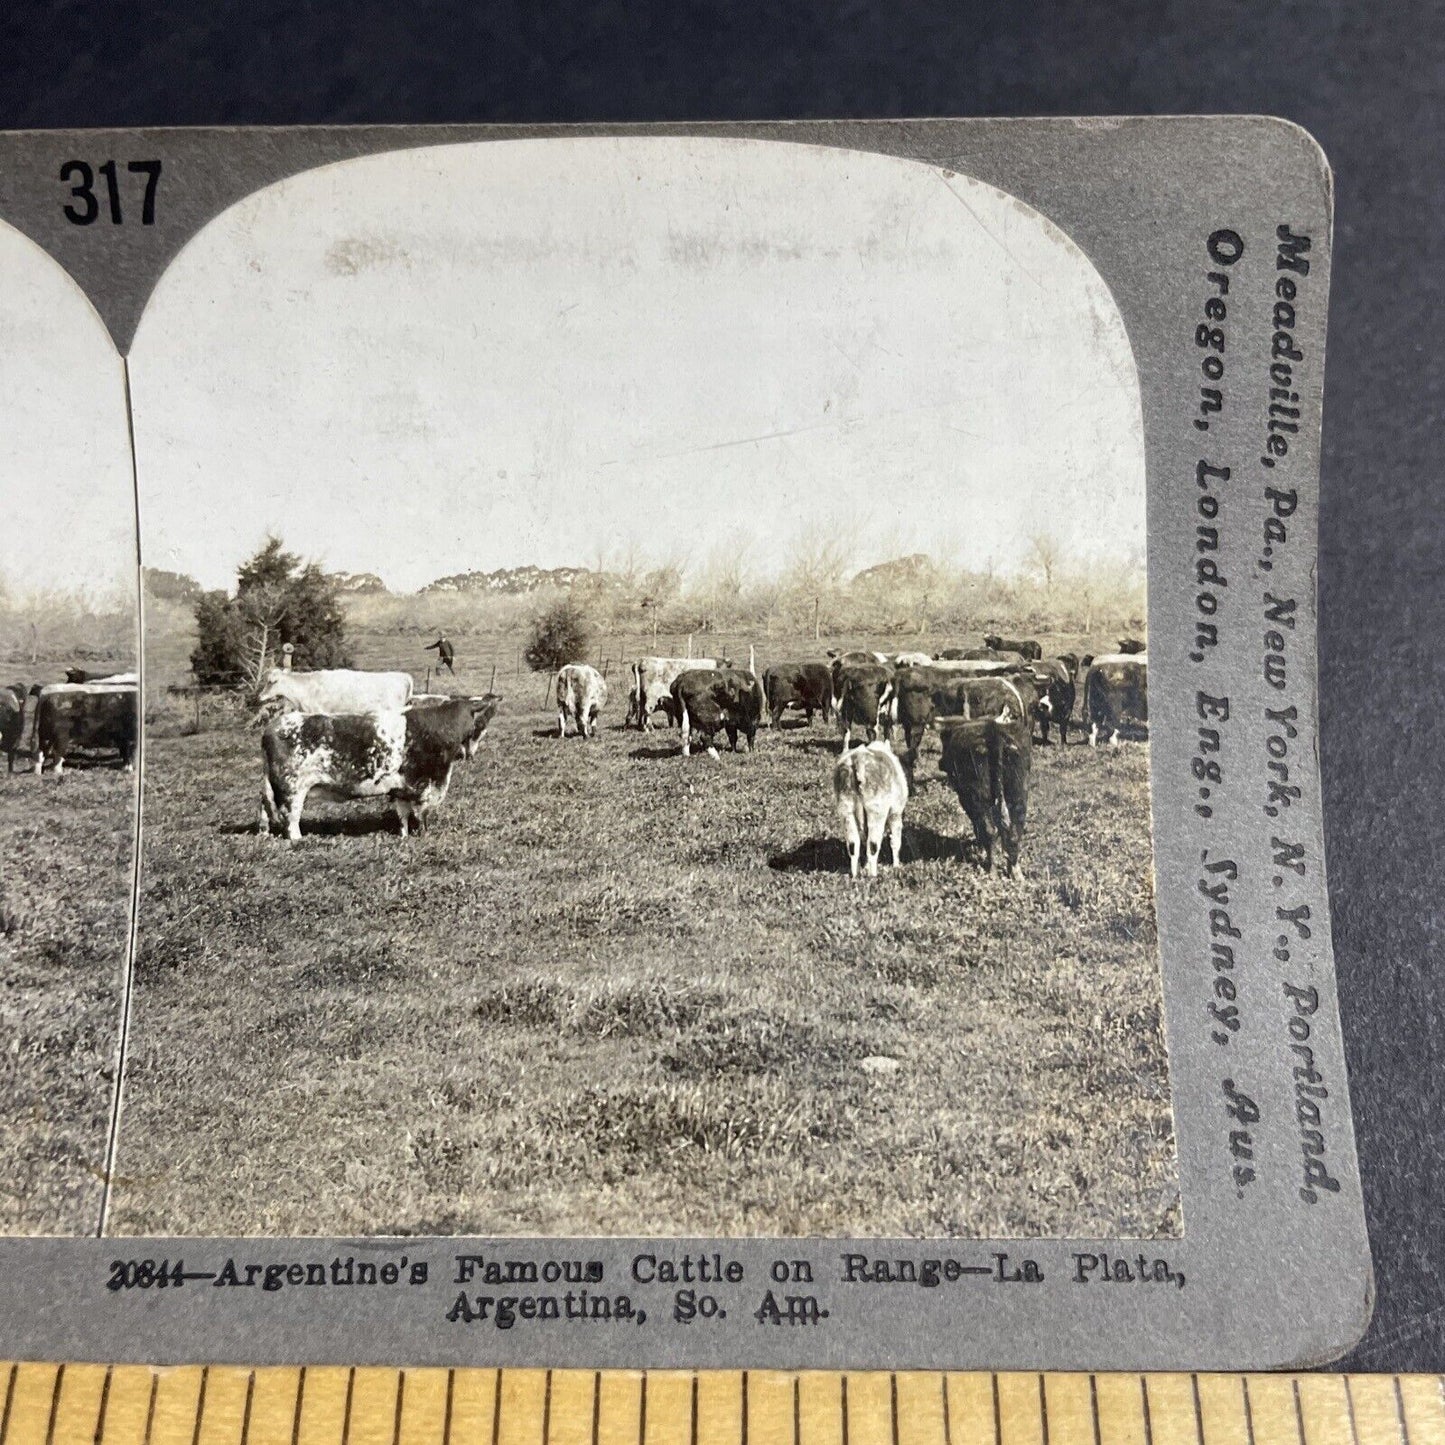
(1366, 79)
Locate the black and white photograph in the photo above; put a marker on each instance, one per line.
(646, 709)
(69, 639)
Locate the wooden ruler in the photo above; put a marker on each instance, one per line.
(215, 1405)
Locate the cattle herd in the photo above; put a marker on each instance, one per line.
(54, 721)
(351, 734)
(347, 734)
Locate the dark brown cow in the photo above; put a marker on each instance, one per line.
(12, 721)
(804, 685)
(1116, 696)
(69, 716)
(988, 763)
(924, 694)
(865, 695)
(1026, 647)
(707, 699)
(79, 674)
(1131, 646)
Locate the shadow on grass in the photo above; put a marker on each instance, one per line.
(820, 854)
(643, 755)
(359, 825)
(825, 854)
(922, 844)
(816, 744)
(74, 763)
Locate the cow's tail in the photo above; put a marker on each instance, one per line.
(996, 802)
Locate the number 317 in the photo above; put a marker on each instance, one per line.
(85, 207)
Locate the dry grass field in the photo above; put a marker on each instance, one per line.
(616, 991)
(65, 892)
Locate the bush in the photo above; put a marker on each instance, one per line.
(559, 635)
(278, 600)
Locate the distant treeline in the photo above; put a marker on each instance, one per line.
(71, 625)
(911, 597)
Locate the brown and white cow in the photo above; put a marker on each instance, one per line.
(706, 699)
(1116, 696)
(870, 792)
(581, 695)
(407, 757)
(651, 685)
(92, 715)
(1054, 678)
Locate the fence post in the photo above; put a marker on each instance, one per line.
(198, 707)
(286, 651)
(492, 682)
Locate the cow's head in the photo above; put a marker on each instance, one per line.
(483, 710)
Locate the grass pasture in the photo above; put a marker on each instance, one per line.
(616, 991)
(65, 893)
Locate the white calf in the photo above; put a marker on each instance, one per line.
(871, 793)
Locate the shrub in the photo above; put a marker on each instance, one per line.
(560, 635)
(278, 600)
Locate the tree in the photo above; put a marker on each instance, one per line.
(279, 599)
(560, 635)
(1045, 557)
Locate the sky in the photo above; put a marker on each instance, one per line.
(552, 352)
(67, 500)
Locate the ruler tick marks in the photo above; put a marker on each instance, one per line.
(597, 1405)
(9, 1401)
(947, 1423)
(893, 1404)
(346, 1411)
(1299, 1414)
(1350, 1409)
(1248, 1409)
(1199, 1410)
(54, 1406)
(1094, 1407)
(997, 1413)
(547, 1409)
(447, 1413)
(797, 1411)
(1400, 1412)
(105, 1405)
(400, 1399)
(300, 1400)
(843, 1395)
(151, 1408)
(246, 1414)
(200, 1402)
(1043, 1411)
(1148, 1419)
